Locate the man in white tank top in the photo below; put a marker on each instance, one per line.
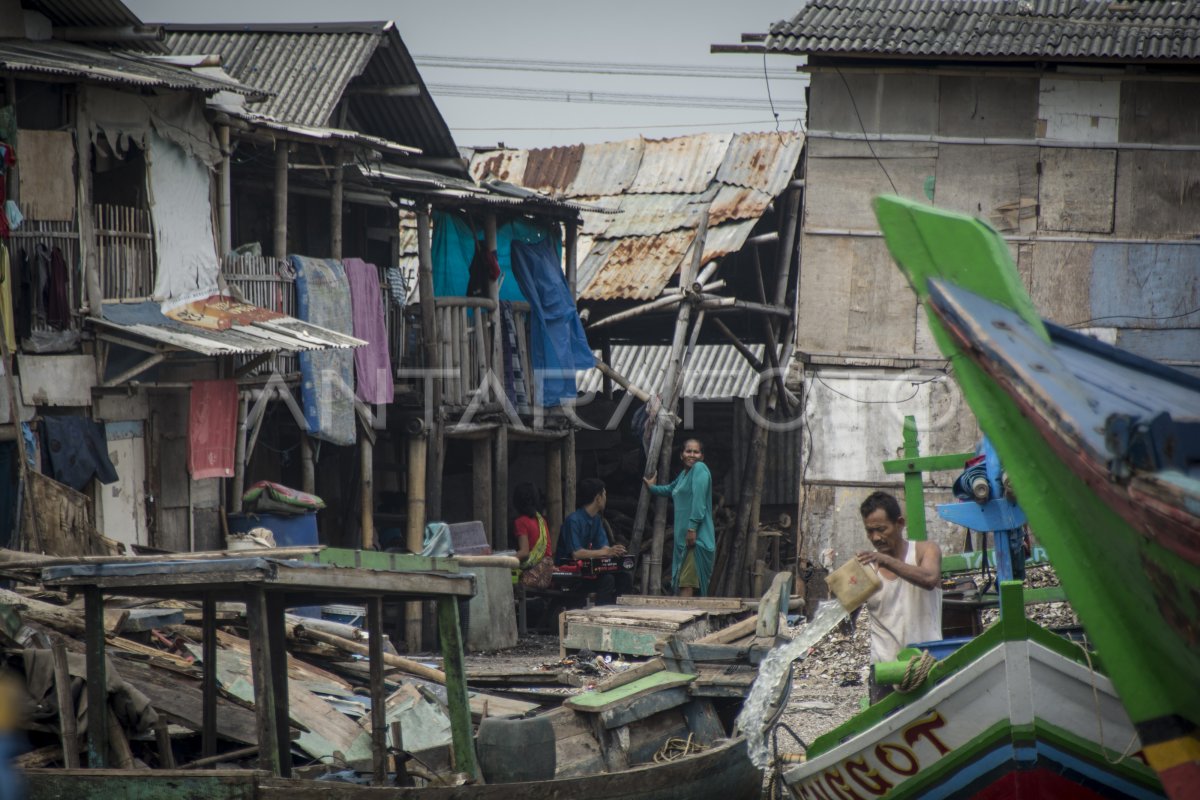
(908, 608)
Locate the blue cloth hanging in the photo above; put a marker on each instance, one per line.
(557, 341)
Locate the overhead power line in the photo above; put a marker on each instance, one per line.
(609, 98)
(605, 68)
(741, 123)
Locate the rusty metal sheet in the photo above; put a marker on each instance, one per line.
(683, 164)
(505, 165)
(725, 239)
(633, 268)
(650, 214)
(765, 161)
(736, 202)
(713, 372)
(595, 224)
(607, 168)
(549, 169)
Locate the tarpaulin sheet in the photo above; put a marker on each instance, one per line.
(326, 377)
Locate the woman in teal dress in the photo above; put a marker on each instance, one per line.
(695, 538)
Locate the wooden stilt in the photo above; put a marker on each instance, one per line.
(366, 485)
(277, 644)
(463, 745)
(336, 198)
(66, 707)
(658, 539)
(496, 354)
(481, 497)
(263, 671)
(281, 200)
(97, 679)
(554, 495)
(570, 478)
(378, 693)
(208, 655)
(88, 259)
(239, 461)
(500, 485)
(415, 532)
(308, 465)
(570, 256)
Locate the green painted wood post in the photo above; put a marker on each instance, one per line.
(97, 678)
(456, 686)
(914, 487)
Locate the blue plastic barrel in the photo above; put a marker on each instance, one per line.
(289, 531)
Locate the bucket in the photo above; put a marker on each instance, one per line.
(516, 750)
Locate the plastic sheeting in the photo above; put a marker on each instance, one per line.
(453, 247)
(183, 231)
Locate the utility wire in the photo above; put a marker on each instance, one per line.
(863, 127)
(603, 68)
(605, 98)
(627, 127)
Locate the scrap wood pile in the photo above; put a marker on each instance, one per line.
(154, 689)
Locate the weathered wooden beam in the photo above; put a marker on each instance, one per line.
(263, 673)
(481, 497)
(336, 204)
(432, 340)
(366, 486)
(463, 744)
(279, 231)
(500, 483)
(66, 707)
(378, 692)
(208, 681)
(554, 494)
(97, 678)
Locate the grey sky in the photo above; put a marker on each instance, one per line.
(664, 32)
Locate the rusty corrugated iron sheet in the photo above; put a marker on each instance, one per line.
(649, 214)
(505, 165)
(683, 164)
(635, 268)
(551, 168)
(661, 189)
(763, 161)
(737, 202)
(607, 168)
(725, 239)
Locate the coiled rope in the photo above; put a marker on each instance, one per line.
(675, 748)
(916, 672)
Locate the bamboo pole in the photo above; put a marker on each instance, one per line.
(481, 497)
(740, 346)
(308, 465)
(570, 255)
(661, 302)
(239, 459)
(432, 335)
(570, 479)
(666, 416)
(659, 533)
(88, 256)
(224, 201)
(495, 363)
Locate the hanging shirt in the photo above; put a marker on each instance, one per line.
(903, 613)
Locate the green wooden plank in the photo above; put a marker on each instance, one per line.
(111, 784)
(463, 747)
(387, 562)
(914, 485)
(950, 461)
(612, 639)
(973, 561)
(595, 701)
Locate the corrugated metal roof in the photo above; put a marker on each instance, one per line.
(550, 168)
(760, 160)
(310, 68)
(648, 214)
(278, 335)
(714, 371)
(639, 250)
(505, 165)
(685, 164)
(634, 268)
(65, 59)
(737, 202)
(1069, 30)
(607, 168)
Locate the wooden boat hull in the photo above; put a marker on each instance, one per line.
(1126, 552)
(1013, 717)
(723, 772)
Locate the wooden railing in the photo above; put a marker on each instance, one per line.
(465, 330)
(51, 233)
(124, 252)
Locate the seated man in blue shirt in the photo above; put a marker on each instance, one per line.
(583, 536)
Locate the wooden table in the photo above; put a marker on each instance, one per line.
(269, 586)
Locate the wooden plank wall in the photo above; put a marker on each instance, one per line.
(1067, 186)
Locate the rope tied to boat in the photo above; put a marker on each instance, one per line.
(1087, 655)
(675, 748)
(916, 672)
